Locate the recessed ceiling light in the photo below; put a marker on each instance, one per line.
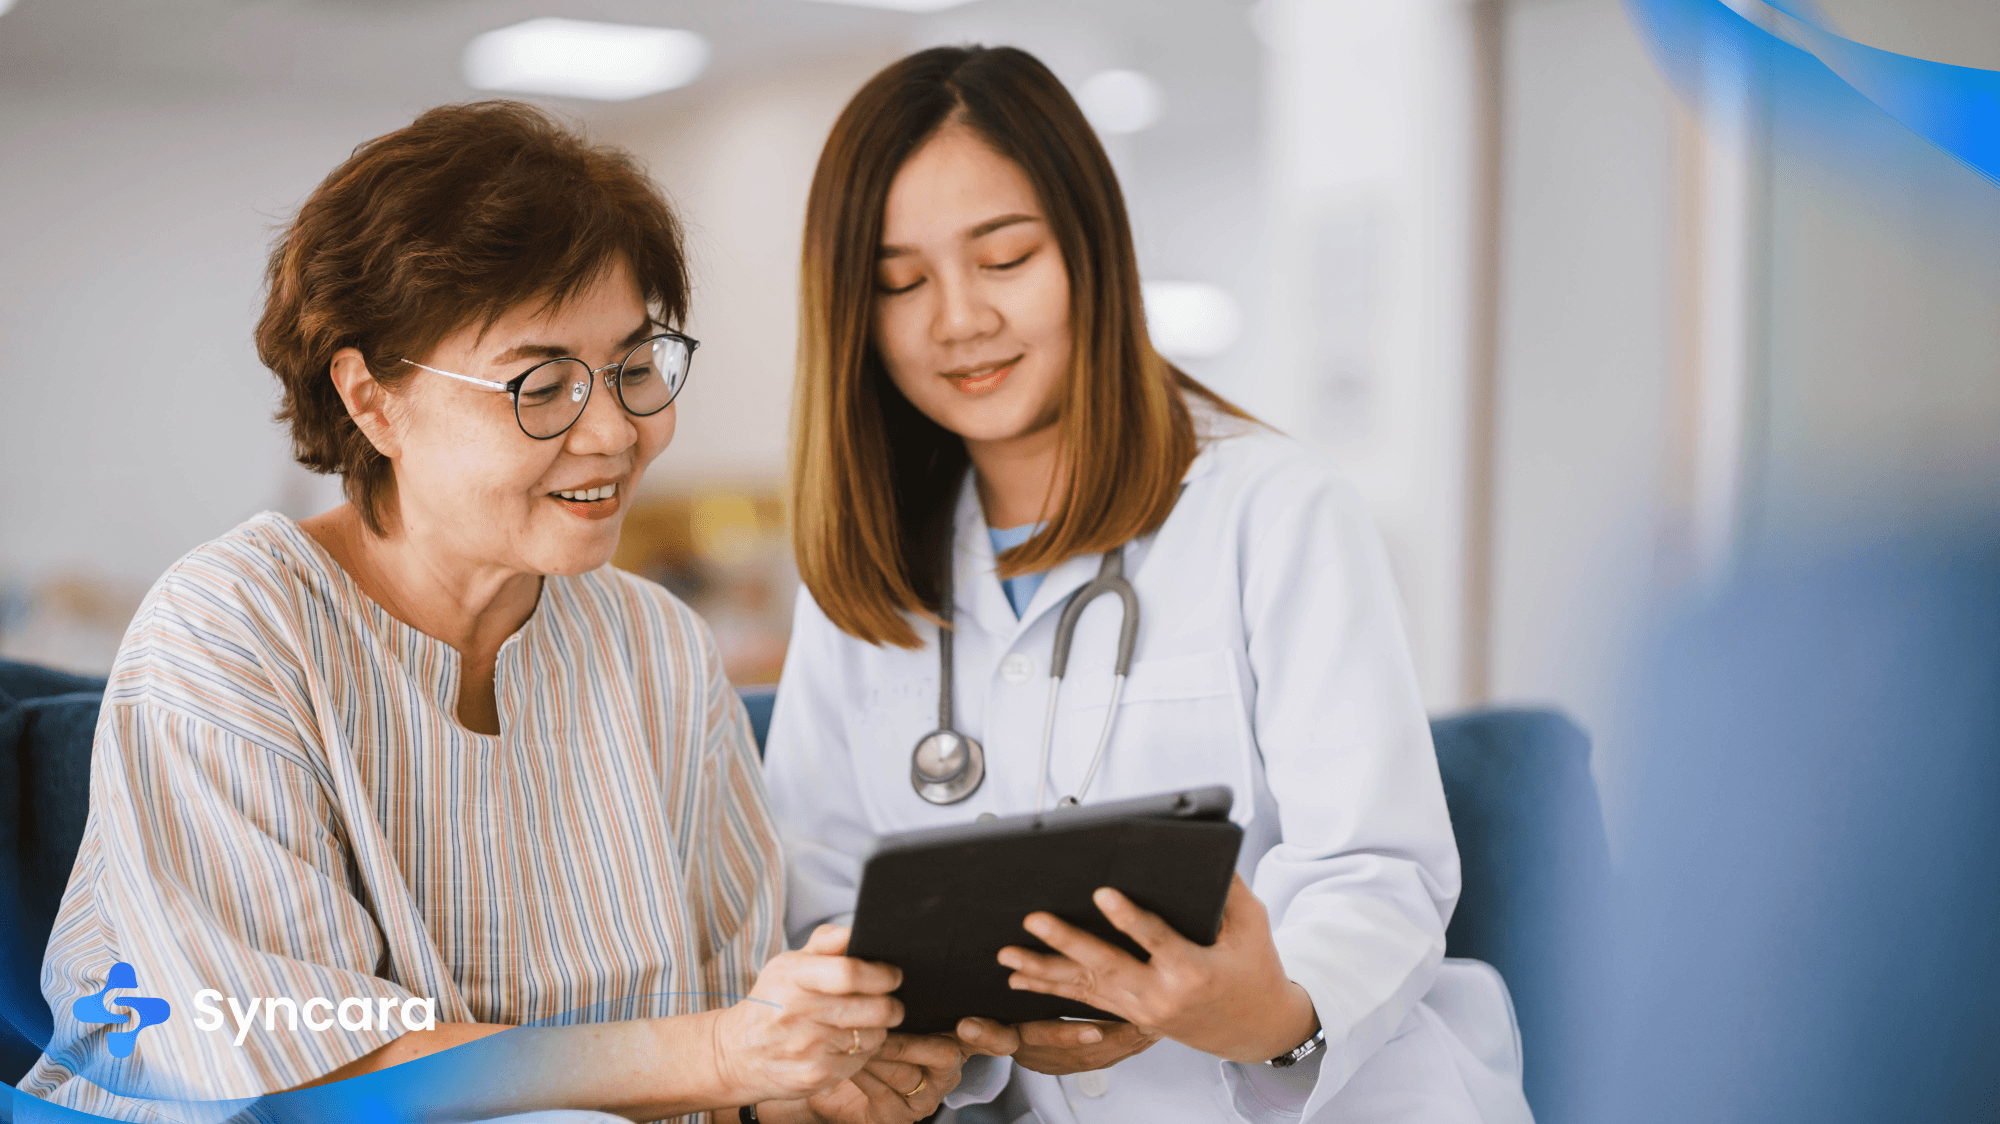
(1121, 101)
(901, 5)
(1190, 319)
(581, 59)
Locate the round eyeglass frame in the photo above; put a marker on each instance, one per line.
(512, 387)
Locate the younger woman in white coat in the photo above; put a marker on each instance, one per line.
(980, 418)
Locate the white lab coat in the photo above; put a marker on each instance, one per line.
(1271, 658)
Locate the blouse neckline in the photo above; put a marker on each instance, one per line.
(331, 572)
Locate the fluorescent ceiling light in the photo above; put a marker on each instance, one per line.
(580, 59)
(901, 5)
(1121, 101)
(1190, 319)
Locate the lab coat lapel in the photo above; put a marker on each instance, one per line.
(978, 596)
(979, 591)
(1065, 579)
(1071, 575)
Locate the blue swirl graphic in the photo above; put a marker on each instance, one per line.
(1705, 47)
(477, 1080)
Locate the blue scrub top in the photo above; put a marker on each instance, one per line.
(1020, 590)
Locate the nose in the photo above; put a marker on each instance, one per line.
(604, 429)
(962, 313)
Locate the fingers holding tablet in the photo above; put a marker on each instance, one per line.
(813, 1020)
(905, 1081)
(1231, 999)
(1057, 1046)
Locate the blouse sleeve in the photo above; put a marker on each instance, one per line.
(210, 863)
(1367, 870)
(736, 876)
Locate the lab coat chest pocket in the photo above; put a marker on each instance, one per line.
(1181, 723)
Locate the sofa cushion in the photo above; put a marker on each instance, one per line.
(48, 720)
(25, 681)
(52, 759)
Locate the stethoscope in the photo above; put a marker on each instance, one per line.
(947, 766)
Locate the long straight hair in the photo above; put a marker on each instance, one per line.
(873, 480)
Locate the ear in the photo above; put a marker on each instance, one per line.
(366, 400)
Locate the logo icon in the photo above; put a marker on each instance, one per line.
(97, 1009)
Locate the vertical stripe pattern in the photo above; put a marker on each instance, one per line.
(284, 804)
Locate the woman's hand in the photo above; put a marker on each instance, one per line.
(812, 1021)
(904, 1082)
(1057, 1046)
(1232, 999)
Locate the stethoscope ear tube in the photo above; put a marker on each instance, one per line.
(1110, 579)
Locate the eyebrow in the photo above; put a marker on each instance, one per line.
(980, 231)
(561, 351)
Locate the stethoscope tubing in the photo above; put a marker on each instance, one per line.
(1110, 579)
(969, 771)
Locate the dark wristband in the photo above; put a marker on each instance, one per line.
(1305, 1050)
(747, 1115)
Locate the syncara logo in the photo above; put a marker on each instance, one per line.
(97, 1009)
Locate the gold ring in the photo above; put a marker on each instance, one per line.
(856, 1032)
(921, 1082)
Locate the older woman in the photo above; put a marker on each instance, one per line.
(424, 767)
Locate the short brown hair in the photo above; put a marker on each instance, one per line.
(467, 212)
(872, 478)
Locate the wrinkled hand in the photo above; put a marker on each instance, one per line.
(904, 1082)
(812, 1021)
(1056, 1046)
(1231, 999)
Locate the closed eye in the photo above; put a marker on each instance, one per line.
(1015, 262)
(888, 292)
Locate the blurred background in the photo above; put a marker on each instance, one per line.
(1587, 345)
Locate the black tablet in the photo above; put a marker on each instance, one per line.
(941, 903)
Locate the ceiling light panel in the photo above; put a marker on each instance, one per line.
(1190, 319)
(582, 59)
(1121, 101)
(900, 5)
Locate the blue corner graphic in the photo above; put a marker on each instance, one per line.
(96, 1009)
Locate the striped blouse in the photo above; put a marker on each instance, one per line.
(283, 804)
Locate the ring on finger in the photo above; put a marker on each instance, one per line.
(856, 1048)
(921, 1082)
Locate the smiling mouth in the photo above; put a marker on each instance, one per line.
(588, 495)
(972, 380)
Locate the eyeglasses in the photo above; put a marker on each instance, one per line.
(550, 396)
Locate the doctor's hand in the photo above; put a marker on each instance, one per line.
(1231, 999)
(1056, 1046)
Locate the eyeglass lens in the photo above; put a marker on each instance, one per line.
(554, 394)
(652, 375)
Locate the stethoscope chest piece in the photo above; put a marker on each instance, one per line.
(947, 767)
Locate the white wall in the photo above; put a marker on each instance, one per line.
(139, 419)
(1881, 349)
(737, 159)
(1587, 204)
(1371, 144)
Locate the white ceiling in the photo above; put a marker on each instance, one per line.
(406, 52)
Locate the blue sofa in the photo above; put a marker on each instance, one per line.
(1518, 784)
